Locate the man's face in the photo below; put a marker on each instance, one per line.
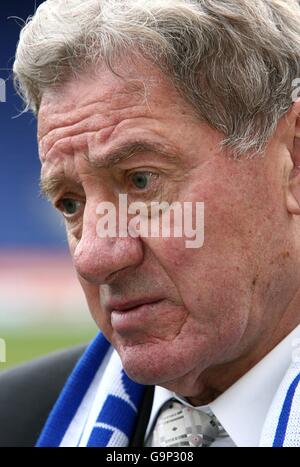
(172, 312)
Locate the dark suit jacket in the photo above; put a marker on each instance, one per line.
(28, 393)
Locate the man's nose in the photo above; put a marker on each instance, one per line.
(98, 259)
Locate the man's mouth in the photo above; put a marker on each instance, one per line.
(128, 314)
(126, 306)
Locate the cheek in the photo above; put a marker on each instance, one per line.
(214, 282)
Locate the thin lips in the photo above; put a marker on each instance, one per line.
(126, 306)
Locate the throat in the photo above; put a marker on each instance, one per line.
(207, 396)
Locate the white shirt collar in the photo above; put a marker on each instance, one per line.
(243, 407)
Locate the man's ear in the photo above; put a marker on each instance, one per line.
(293, 188)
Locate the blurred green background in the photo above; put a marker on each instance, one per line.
(41, 305)
(27, 344)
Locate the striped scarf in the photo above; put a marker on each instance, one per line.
(282, 425)
(99, 404)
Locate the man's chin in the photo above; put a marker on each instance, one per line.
(148, 365)
(161, 376)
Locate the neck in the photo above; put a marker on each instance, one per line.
(216, 380)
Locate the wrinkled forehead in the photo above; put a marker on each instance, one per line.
(75, 100)
(93, 105)
(127, 86)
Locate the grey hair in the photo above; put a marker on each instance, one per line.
(234, 61)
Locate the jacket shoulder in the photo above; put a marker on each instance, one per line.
(28, 393)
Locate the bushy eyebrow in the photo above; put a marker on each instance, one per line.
(127, 150)
(50, 185)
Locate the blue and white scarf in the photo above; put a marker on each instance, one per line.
(99, 404)
(282, 425)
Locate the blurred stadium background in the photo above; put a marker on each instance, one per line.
(42, 307)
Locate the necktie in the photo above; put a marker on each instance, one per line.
(180, 426)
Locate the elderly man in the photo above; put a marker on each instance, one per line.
(173, 101)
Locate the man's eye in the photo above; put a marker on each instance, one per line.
(69, 207)
(141, 180)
